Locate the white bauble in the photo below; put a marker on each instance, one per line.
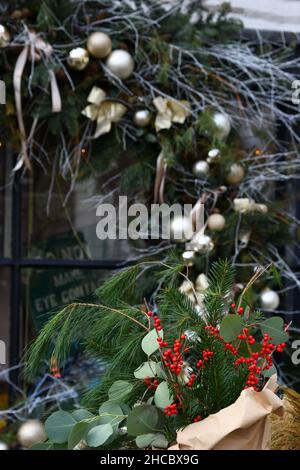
(78, 58)
(99, 45)
(120, 63)
(142, 118)
(201, 168)
(222, 122)
(213, 155)
(31, 432)
(201, 283)
(188, 258)
(3, 446)
(203, 244)
(216, 222)
(269, 299)
(181, 228)
(236, 174)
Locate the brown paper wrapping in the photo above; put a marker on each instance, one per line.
(244, 425)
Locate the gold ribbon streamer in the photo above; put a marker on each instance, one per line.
(103, 111)
(160, 177)
(34, 49)
(169, 111)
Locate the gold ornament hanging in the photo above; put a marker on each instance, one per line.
(103, 111)
(169, 111)
(78, 58)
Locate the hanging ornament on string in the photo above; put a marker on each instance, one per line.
(201, 243)
(189, 257)
(216, 222)
(99, 45)
(181, 228)
(236, 174)
(213, 155)
(223, 125)
(4, 36)
(269, 299)
(3, 446)
(201, 168)
(142, 118)
(78, 58)
(31, 432)
(120, 63)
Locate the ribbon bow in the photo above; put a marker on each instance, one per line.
(103, 111)
(170, 110)
(34, 49)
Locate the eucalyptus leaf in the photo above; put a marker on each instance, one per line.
(147, 369)
(273, 326)
(77, 433)
(119, 390)
(150, 343)
(231, 327)
(162, 396)
(99, 435)
(269, 372)
(58, 426)
(82, 414)
(143, 419)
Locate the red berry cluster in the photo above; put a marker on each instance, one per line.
(191, 380)
(240, 309)
(172, 409)
(151, 384)
(198, 418)
(245, 336)
(206, 354)
(280, 347)
(174, 359)
(216, 333)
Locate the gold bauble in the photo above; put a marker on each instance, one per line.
(31, 432)
(4, 36)
(236, 174)
(142, 118)
(188, 257)
(216, 222)
(99, 45)
(78, 58)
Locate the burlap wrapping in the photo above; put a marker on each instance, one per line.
(244, 425)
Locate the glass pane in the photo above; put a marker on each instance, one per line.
(46, 291)
(62, 225)
(5, 202)
(4, 334)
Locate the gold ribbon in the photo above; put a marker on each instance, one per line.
(34, 49)
(103, 111)
(169, 111)
(160, 177)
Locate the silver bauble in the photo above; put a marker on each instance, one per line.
(201, 168)
(181, 228)
(3, 446)
(31, 432)
(78, 58)
(204, 244)
(236, 174)
(188, 258)
(213, 155)
(216, 222)
(4, 36)
(223, 125)
(120, 63)
(99, 45)
(142, 118)
(269, 299)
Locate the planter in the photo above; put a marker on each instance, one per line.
(244, 425)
